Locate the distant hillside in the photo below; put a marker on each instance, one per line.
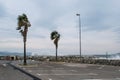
(12, 53)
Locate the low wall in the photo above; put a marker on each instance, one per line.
(83, 60)
(102, 62)
(90, 61)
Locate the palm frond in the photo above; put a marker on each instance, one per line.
(23, 21)
(25, 17)
(53, 35)
(58, 36)
(20, 18)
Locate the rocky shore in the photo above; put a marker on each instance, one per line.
(83, 60)
(89, 61)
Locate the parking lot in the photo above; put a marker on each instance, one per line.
(73, 71)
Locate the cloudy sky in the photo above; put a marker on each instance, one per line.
(100, 22)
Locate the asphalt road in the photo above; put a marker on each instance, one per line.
(72, 71)
(10, 73)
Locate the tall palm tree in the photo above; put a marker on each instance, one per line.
(23, 24)
(55, 36)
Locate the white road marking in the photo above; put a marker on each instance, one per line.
(49, 79)
(41, 68)
(93, 74)
(101, 67)
(30, 70)
(4, 65)
(118, 70)
(75, 65)
(38, 74)
(93, 79)
(103, 79)
(73, 70)
(54, 70)
(59, 68)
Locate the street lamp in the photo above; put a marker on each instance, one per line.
(79, 34)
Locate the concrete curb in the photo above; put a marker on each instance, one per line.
(25, 72)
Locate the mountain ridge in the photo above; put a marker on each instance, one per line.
(6, 53)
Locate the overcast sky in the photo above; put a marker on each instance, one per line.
(100, 22)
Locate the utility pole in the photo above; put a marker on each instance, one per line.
(79, 35)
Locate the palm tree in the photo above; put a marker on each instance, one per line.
(23, 24)
(55, 36)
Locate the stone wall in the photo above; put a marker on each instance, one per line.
(88, 60)
(102, 62)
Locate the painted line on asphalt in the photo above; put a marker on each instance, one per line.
(103, 79)
(4, 65)
(52, 69)
(73, 70)
(56, 70)
(101, 67)
(93, 79)
(49, 79)
(29, 70)
(38, 74)
(92, 74)
(59, 68)
(35, 68)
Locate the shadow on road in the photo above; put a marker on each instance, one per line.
(23, 71)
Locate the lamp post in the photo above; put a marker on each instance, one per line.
(79, 35)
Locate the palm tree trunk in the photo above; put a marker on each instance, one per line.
(25, 38)
(25, 63)
(56, 54)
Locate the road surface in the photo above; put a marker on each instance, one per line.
(8, 72)
(73, 71)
